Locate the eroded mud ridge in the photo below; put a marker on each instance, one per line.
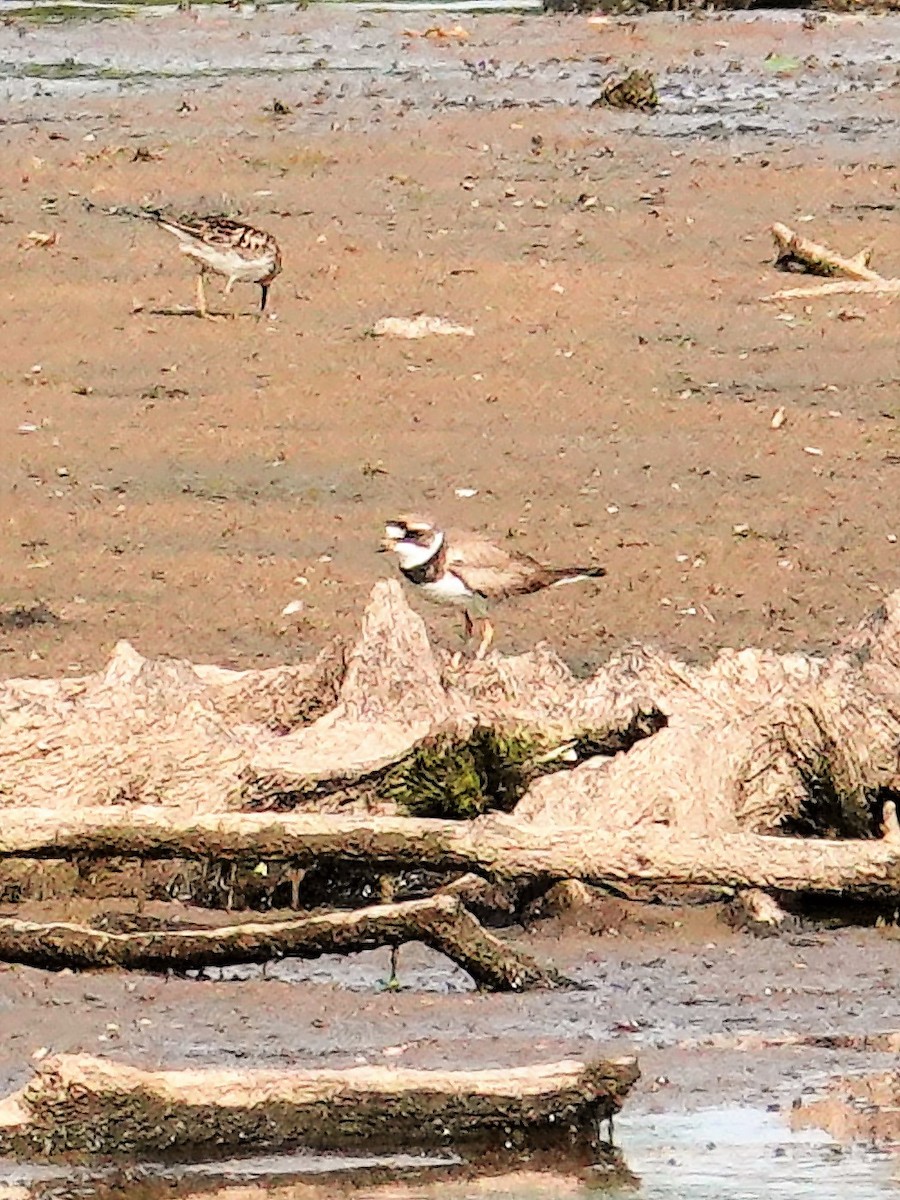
(214, 492)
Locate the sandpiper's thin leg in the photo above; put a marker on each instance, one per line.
(202, 310)
(486, 638)
(468, 624)
(264, 289)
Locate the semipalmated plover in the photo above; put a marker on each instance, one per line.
(468, 569)
(230, 248)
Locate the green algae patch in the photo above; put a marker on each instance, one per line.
(457, 780)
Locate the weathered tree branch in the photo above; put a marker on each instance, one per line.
(793, 248)
(495, 846)
(816, 259)
(440, 922)
(91, 1105)
(840, 287)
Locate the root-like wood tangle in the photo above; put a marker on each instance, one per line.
(765, 771)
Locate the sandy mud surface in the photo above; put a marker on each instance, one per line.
(180, 482)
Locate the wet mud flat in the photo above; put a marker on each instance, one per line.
(181, 483)
(705, 1008)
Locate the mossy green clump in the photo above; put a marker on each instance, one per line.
(458, 780)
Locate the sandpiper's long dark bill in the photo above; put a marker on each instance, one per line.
(240, 252)
(453, 567)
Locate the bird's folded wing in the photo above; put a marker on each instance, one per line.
(475, 550)
(495, 583)
(488, 569)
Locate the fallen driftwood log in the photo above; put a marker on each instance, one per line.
(496, 846)
(440, 922)
(77, 1103)
(798, 252)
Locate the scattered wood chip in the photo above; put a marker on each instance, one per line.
(418, 327)
(145, 154)
(40, 239)
(439, 33)
(778, 418)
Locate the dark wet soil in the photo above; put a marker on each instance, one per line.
(710, 1013)
(675, 986)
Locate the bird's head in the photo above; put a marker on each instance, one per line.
(415, 540)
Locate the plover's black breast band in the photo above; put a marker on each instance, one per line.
(429, 572)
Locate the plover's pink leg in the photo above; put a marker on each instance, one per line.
(201, 296)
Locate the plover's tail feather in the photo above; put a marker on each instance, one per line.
(575, 575)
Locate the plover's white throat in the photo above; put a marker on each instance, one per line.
(230, 248)
(469, 569)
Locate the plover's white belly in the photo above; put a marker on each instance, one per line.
(449, 589)
(230, 262)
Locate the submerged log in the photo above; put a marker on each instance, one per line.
(441, 922)
(549, 1175)
(543, 1174)
(77, 1103)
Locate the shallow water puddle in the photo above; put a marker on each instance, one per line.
(729, 1153)
(746, 1154)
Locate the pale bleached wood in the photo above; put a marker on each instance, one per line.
(495, 846)
(839, 287)
(819, 259)
(84, 1104)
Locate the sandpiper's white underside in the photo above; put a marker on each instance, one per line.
(228, 262)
